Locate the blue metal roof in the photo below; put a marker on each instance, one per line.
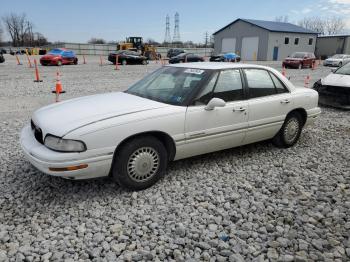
(273, 26)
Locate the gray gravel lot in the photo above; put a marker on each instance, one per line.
(253, 203)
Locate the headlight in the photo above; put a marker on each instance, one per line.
(64, 145)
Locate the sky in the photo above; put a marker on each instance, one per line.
(77, 21)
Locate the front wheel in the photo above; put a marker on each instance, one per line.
(140, 163)
(289, 132)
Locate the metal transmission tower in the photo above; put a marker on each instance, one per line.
(167, 38)
(176, 37)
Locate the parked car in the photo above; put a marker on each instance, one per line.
(59, 56)
(186, 57)
(299, 60)
(337, 60)
(127, 57)
(334, 89)
(176, 112)
(174, 52)
(228, 57)
(2, 59)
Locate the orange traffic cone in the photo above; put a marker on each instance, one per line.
(116, 62)
(284, 70)
(58, 89)
(37, 78)
(29, 63)
(307, 81)
(18, 62)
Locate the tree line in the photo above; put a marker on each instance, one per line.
(322, 25)
(20, 29)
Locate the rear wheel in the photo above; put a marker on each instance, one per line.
(140, 163)
(75, 61)
(289, 132)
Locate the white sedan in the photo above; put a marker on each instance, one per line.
(337, 60)
(334, 89)
(176, 112)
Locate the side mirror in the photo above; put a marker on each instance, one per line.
(333, 70)
(215, 102)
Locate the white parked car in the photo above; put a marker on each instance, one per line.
(337, 60)
(334, 89)
(176, 112)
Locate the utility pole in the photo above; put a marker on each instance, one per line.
(206, 39)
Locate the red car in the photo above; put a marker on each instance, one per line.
(299, 60)
(59, 56)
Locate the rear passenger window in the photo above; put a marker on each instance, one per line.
(259, 83)
(229, 86)
(278, 84)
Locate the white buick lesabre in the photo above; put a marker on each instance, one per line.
(178, 111)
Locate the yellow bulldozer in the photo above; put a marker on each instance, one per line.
(135, 43)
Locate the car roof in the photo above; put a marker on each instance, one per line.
(217, 66)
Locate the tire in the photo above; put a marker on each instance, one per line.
(146, 151)
(290, 131)
(59, 63)
(75, 61)
(124, 62)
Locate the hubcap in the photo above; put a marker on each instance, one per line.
(291, 130)
(143, 164)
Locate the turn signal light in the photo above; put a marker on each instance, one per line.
(68, 168)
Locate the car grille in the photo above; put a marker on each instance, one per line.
(38, 134)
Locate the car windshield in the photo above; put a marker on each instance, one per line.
(170, 85)
(338, 56)
(298, 55)
(344, 70)
(56, 51)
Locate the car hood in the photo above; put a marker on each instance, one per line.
(61, 118)
(334, 59)
(50, 56)
(336, 80)
(293, 59)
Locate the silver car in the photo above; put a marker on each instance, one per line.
(337, 60)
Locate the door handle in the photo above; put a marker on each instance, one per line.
(285, 101)
(241, 109)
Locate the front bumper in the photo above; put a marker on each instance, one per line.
(334, 96)
(43, 158)
(291, 64)
(46, 62)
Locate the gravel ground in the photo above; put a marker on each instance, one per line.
(253, 203)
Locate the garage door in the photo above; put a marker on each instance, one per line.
(228, 45)
(250, 47)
